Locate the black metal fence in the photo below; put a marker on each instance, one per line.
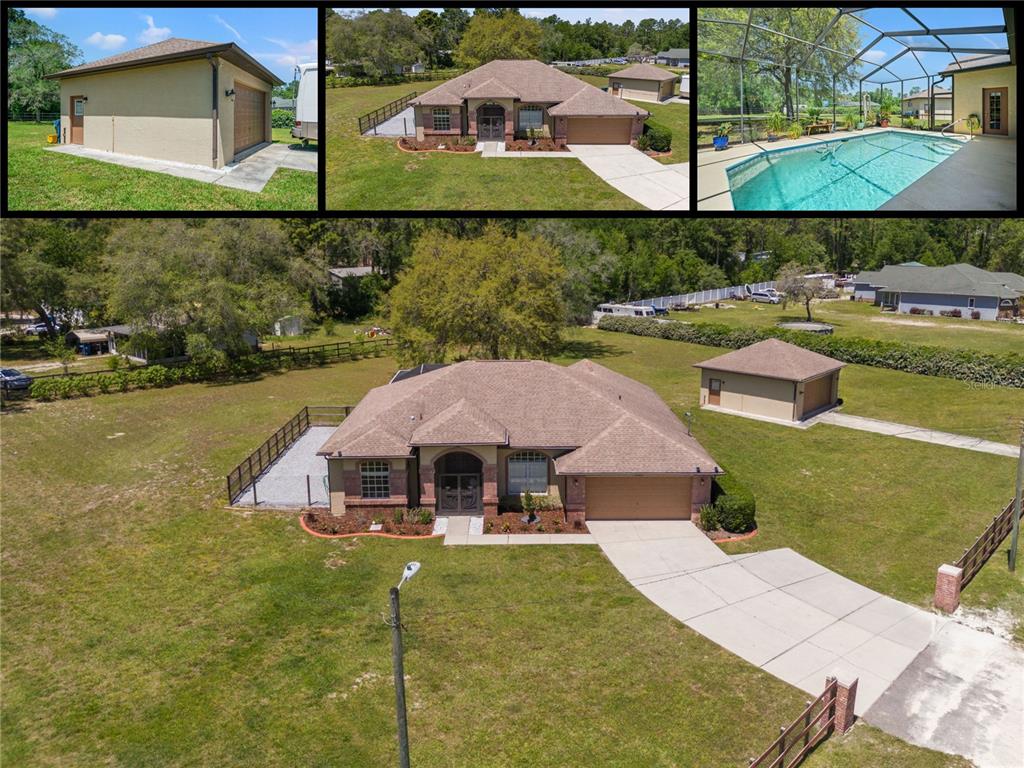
(372, 119)
(337, 350)
(245, 474)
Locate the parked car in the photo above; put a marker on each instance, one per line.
(10, 378)
(36, 329)
(769, 296)
(660, 310)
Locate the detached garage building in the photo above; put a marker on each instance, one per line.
(771, 378)
(182, 100)
(643, 82)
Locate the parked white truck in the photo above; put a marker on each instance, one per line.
(307, 103)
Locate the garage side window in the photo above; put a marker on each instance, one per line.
(376, 479)
(527, 471)
(531, 117)
(79, 107)
(442, 119)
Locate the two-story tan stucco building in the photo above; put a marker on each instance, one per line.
(187, 101)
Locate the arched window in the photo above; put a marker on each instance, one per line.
(527, 471)
(375, 477)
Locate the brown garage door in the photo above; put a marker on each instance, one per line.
(599, 130)
(817, 393)
(638, 498)
(250, 117)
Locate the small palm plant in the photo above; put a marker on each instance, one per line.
(973, 123)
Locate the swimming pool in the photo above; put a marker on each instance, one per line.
(855, 174)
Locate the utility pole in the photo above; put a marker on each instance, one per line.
(1017, 502)
(399, 667)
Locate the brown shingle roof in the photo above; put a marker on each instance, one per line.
(530, 81)
(644, 72)
(775, 359)
(172, 49)
(610, 423)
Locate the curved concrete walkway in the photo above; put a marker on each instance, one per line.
(802, 622)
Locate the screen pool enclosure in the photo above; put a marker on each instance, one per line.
(756, 61)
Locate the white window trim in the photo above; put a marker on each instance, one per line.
(79, 105)
(547, 472)
(970, 302)
(441, 112)
(375, 471)
(531, 108)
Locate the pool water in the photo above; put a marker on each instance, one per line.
(856, 174)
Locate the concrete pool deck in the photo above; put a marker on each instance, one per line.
(983, 176)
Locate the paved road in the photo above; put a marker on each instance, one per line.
(653, 185)
(920, 434)
(802, 622)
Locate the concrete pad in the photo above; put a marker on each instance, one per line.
(283, 483)
(401, 124)
(786, 614)
(440, 525)
(529, 538)
(881, 657)
(486, 539)
(916, 631)
(832, 593)
(648, 530)
(458, 531)
(880, 614)
(919, 434)
(869, 685)
(645, 192)
(731, 582)
(681, 597)
(654, 185)
(800, 662)
(840, 637)
(740, 633)
(476, 525)
(782, 567)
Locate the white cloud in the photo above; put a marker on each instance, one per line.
(229, 28)
(106, 42)
(875, 55)
(42, 13)
(291, 53)
(152, 33)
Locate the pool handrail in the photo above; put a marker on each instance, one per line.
(942, 133)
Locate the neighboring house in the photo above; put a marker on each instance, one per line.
(919, 105)
(279, 102)
(340, 273)
(504, 99)
(673, 57)
(771, 378)
(97, 341)
(464, 438)
(289, 325)
(182, 100)
(643, 82)
(916, 289)
(416, 69)
(986, 85)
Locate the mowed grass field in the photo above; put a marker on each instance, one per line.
(41, 180)
(365, 173)
(866, 321)
(144, 624)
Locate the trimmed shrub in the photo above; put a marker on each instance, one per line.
(659, 135)
(1005, 370)
(643, 142)
(975, 315)
(709, 518)
(282, 118)
(735, 512)
(950, 313)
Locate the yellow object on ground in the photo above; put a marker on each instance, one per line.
(51, 139)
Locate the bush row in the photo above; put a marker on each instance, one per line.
(964, 364)
(282, 118)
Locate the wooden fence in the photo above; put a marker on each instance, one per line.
(815, 724)
(371, 120)
(951, 580)
(242, 476)
(336, 350)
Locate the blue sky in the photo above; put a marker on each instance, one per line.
(279, 38)
(615, 15)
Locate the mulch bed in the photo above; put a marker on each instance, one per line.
(724, 536)
(433, 145)
(654, 153)
(542, 145)
(550, 521)
(326, 523)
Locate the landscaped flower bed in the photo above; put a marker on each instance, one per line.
(541, 145)
(437, 144)
(397, 522)
(548, 521)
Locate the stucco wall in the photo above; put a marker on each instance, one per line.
(162, 111)
(229, 75)
(751, 394)
(967, 95)
(642, 90)
(988, 306)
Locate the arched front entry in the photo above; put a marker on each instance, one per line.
(459, 483)
(490, 122)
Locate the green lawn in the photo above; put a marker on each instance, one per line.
(863, 320)
(144, 624)
(42, 180)
(373, 174)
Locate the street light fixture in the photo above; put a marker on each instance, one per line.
(399, 670)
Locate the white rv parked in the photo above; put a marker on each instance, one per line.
(307, 103)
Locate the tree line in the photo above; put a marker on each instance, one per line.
(33, 51)
(440, 283)
(380, 42)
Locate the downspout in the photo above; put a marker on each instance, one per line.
(214, 117)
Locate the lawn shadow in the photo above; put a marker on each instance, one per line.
(590, 349)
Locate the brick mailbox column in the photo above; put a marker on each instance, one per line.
(846, 700)
(575, 499)
(948, 582)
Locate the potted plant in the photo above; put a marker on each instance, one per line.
(795, 130)
(721, 139)
(531, 134)
(973, 122)
(814, 113)
(776, 124)
(849, 122)
(886, 106)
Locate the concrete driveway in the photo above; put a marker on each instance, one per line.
(251, 173)
(642, 178)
